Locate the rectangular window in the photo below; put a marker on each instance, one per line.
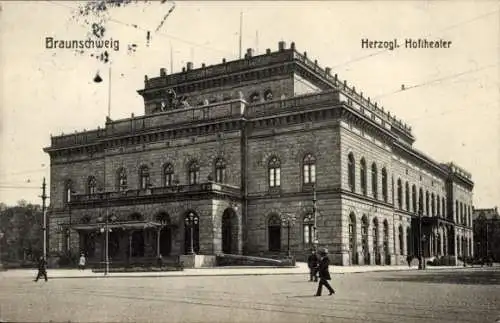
(306, 234)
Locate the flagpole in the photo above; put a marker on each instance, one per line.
(241, 29)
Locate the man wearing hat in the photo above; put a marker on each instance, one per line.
(324, 274)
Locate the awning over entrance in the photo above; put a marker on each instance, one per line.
(131, 225)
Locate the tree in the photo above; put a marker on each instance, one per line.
(22, 228)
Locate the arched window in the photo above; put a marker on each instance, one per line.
(386, 242)
(91, 185)
(401, 241)
(121, 180)
(364, 240)
(168, 175)
(420, 201)
(400, 194)
(407, 196)
(384, 184)
(352, 238)
(375, 239)
(374, 180)
(308, 229)
(194, 172)
(427, 203)
(438, 206)
(363, 175)
(461, 213)
(414, 198)
(274, 172)
(144, 177)
(433, 205)
(351, 172)
(68, 188)
(309, 169)
(274, 233)
(220, 170)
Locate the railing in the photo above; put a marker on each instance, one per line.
(350, 94)
(158, 191)
(228, 109)
(79, 138)
(296, 103)
(220, 69)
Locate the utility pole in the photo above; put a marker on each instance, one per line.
(44, 214)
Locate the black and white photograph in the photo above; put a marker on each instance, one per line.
(249, 161)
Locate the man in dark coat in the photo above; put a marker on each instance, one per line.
(42, 269)
(312, 263)
(324, 274)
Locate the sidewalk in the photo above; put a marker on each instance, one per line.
(300, 269)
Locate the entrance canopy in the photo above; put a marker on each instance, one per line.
(131, 225)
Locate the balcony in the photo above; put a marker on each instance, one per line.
(152, 195)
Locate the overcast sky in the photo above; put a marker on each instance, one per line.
(452, 100)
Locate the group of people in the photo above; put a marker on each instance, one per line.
(318, 264)
(42, 266)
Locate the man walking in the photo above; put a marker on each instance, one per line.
(42, 269)
(324, 274)
(312, 263)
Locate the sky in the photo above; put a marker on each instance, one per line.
(451, 99)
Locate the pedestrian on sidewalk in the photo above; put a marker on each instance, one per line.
(409, 258)
(42, 269)
(312, 263)
(324, 274)
(82, 262)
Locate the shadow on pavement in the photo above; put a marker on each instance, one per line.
(462, 278)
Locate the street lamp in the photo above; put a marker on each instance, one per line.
(106, 232)
(288, 220)
(191, 220)
(98, 79)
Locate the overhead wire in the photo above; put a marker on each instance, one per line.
(138, 27)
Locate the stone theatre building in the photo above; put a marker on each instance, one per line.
(229, 156)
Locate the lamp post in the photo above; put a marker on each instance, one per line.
(98, 79)
(190, 221)
(288, 220)
(106, 231)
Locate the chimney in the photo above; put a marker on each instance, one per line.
(292, 45)
(183, 69)
(268, 51)
(202, 65)
(163, 71)
(189, 66)
(223, 61)
(249, 52)
(328, 70)
(281, 46)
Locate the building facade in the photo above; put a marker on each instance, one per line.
(486, 225)
(231, 156)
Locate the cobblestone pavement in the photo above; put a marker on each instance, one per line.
(467, 295)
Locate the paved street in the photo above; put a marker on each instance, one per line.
(456, 295)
